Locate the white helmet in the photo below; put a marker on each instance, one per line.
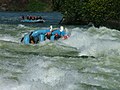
(61, 28)
(51, 28)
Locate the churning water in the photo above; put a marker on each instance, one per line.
(88, 60)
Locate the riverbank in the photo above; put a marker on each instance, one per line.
(47, 6)
(113, 24)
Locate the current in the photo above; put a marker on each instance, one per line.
(88, 60)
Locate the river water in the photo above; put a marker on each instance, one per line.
(88, 60)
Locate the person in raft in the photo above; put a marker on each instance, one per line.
(57, 33)
(35, 36)
(41, 35)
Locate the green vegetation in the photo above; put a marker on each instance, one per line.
(57, 4)
(99, 12)
(25, 5)
(35, 5)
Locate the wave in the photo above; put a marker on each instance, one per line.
(93, 41)
(87, 41)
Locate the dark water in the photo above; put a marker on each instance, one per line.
(14, 18)
(58, 65)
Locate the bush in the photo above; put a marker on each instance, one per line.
(96, 11)
(35, 5)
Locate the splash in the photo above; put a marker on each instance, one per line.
(56, 65)
(93, 41)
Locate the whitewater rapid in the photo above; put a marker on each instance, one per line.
(58, 65)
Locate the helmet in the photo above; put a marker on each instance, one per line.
(61, 28)
(51, 28)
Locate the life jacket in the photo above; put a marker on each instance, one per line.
(48, 35)
(33, 18)
(57, 36)
(65, 37)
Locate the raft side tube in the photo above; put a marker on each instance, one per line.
(36, 33)
(26, 39)
(42, 37)
(52, 38)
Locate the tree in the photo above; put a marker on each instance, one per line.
(72, 9)
(100, 11)
(96, 11)
(57, 4)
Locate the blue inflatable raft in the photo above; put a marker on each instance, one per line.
(33, 21)
(41, 35)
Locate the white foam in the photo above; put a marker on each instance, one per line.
(21, 87)
(43, 73)
(93, 40)
(39, 72)
(7, 37)
(21, 26)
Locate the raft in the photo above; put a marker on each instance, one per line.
(33, 21)
(41, 35)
